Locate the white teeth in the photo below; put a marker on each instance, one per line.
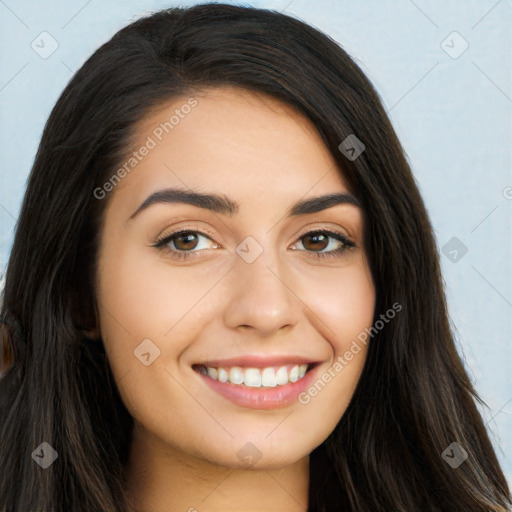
(252, 377)
(294, 374)
(222, 375)
(236, 375)
(269, 377)
(282, 376)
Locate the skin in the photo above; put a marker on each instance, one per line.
(264, 155)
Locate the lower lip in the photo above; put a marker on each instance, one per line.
(261, 398)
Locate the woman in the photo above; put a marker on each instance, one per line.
(224, 291)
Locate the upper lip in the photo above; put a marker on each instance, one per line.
(257, 361)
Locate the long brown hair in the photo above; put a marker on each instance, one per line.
(414, 398)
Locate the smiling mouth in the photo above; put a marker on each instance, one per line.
(252, 377)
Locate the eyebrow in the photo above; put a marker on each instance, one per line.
(223, 205)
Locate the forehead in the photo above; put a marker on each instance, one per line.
(242, 143)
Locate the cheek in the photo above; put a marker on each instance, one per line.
(355, 305)
(141, 300)
(147, 294)
(343, 301)
(344, 305)
(144, 298)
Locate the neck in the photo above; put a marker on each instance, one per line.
(162, 479)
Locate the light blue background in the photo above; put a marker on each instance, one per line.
(452, 115)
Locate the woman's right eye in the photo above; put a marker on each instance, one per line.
(181, 244)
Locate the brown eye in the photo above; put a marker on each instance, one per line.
(325, 243)
(315, 241)
(185, 241)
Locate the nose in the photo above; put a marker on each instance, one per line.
(261, 297)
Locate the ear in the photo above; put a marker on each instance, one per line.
(93, 334)
(85, 319)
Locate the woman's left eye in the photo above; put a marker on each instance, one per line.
(320, 239)
(185, 244)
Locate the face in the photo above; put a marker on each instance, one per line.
(211, 309)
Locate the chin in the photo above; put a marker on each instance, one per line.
(258, 455)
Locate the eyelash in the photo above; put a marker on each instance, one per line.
(162, 243)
